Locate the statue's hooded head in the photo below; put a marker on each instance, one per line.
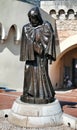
(35, 17)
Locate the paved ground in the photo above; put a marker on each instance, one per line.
(68, 100)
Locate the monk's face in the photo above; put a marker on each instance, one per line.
(35, 17)
(34, 20)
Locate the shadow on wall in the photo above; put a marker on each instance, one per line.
(11, 69)
(11, 43)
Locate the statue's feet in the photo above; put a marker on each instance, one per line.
(35, 100)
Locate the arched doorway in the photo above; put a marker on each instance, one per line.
(68, 59)
(68, 66)
(66, 63)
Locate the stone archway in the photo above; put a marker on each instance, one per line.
(67, 45)
(68, 58)
(68, 52)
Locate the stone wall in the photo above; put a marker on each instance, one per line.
(65, 13)
(66, 28)
(58, 4)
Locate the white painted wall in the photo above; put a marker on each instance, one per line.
(11, 69)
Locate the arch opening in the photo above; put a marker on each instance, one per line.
(61, 14)
(17, 35)
(66, 64)
(70, 14)
(53, 13)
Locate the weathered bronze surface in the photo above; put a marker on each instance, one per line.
(37, 50)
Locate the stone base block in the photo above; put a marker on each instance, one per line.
(70, 121)
(35, 115)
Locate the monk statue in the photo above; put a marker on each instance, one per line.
(37, 50)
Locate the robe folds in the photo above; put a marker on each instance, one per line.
(37, 48)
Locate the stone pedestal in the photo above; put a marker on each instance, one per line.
(35, 115)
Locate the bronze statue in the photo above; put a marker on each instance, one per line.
(37, 50)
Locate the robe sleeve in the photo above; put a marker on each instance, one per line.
(23, 46)
(48, 41)
(26, 49)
